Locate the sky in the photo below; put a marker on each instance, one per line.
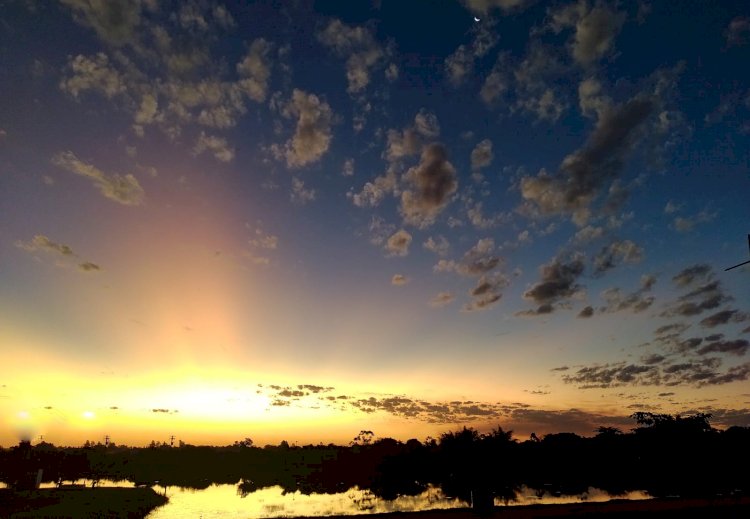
(300, 220)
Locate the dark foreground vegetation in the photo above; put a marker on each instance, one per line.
(79, 502)
(664, 455)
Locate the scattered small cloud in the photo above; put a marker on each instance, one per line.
(399, 280)
(122, 189)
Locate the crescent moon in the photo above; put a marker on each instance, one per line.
(476, 19)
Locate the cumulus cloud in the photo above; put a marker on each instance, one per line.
(312, 136)
(460, 63)
(477, 261)
(399, 280)
(704, 293)
(615, 253)
(442, 299)
(300, 194)
(372, 193)
(411, 140)
(431, 182)
(487, 292)
(586, 312)
(559, 282)
(115, 21)
(583, 174)
(93, 73)
(264, 241)
(255, 70)
(360, 48)
(123, 189)
(481, 155)
(398, 243)
(217, 146)
(439, 246)
(595, 29)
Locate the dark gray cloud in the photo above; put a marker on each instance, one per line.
(478, 260)
(559, 282)
(674, 327)
(586, 312)
(87, 266)
(737, 347)
(615, 253)
(584, 174)
(723, 317)
(689, 275)
(487, 292)
(432, 182)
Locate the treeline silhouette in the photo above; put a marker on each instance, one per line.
(663, 454)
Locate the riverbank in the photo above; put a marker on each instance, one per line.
(79, 503)
(716, 508)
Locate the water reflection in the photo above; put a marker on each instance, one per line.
(223, 501)
(226, 502)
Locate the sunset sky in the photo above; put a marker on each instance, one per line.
(298, 220)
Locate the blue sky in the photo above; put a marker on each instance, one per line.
(481, 212)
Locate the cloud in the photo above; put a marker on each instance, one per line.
(264, 241)
(635, 302)
(93, 73)
(439, 246)
(723, 317)
(704, 292)
(374, 192)
(559, 282)
(461, 62)
(477, 261)
(42, 243)
(87, 266)
(485, 6)
(487, 292)
(312, 137)
(442, 299)
(123, 189)
(115, 21)
(738, 31)
(300, 194)
(348, 168)
(586, 312)
(737, 347)
(687, 224)
(432, 183)
(360, 48)
(398, 243)
(615, 253)
(255, 70)
(595, 29)
(690, 275)
(481, 155)
(217, 146)
(399, 280)
(583, 173)
(411, 140)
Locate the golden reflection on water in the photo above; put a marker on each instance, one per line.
(222, 501)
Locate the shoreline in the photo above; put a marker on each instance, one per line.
(718, 507)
